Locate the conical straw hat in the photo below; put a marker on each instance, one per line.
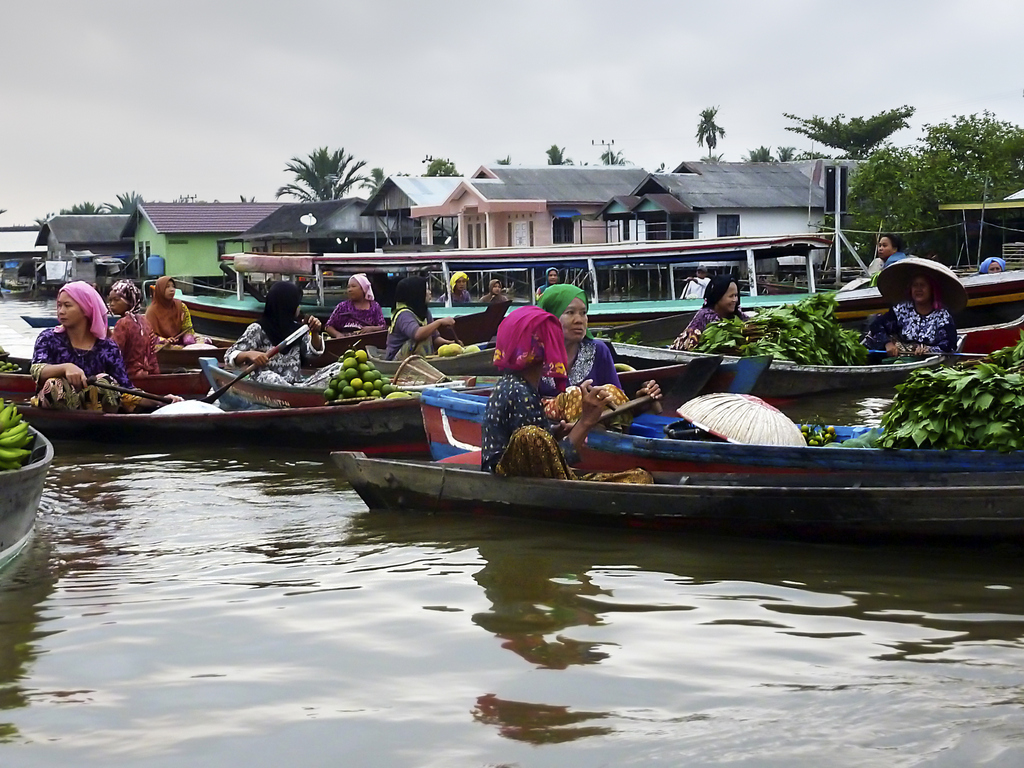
(894, 282)
(741, 419)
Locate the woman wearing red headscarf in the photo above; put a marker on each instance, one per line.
(517, 440)
(76, 350)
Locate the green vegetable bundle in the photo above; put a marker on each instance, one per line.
(978, 406)
(806, 333)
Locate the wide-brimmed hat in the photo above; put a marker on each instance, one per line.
(894, 282)
(744, 419)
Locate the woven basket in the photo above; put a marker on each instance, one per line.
(415, 370)
(741, 419)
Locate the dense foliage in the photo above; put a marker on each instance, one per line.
(805, 332)
(857, 137)
(978, 406)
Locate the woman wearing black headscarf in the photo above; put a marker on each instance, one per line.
(280, 318)
(721, 302)
(413, 330)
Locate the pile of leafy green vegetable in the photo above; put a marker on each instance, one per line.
(979, 406)
(805, 332)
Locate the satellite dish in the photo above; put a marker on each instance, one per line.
(308, 220)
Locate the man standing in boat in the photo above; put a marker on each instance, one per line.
(695, 286)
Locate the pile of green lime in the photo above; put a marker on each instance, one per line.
(6, 366)
(357, 378)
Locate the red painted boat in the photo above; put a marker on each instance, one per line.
(988, 338)
(20, 386)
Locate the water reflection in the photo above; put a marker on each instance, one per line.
(536, 723)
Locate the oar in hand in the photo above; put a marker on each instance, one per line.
(102, 384)
(291, 339)
(629, 405)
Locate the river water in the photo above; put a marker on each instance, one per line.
(226, 608)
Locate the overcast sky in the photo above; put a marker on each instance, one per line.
(212, 98)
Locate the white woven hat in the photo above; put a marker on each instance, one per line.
(741, 419)
(894, 282)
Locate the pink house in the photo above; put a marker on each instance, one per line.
(530, 206)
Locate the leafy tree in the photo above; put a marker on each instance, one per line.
(323, 175)
(856, 137)
(440, 166)
(959, 160)
(507, 160)
(376, 181)
(611, 157)
(556, 156)
(762, 154)
(786, 154)
(708, 131)
(83, 209)
(126, 203)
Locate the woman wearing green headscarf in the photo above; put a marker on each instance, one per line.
(589, 358)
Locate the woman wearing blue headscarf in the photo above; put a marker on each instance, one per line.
(991, 266)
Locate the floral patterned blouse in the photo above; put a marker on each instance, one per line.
(903, 323)
(513, 404)
(285, 367)
(137, 342)
(54, 348)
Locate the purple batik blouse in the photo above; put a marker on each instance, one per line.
(347, 318)
(54, 348)
(593, 361)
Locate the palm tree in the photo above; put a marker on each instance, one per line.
(83, 209)
(611, 157)
(323, 175)
(376, 181)
(708, 131)
(762, 154)
(556, 156)
(712, 158)
(786, 154)
(244, 199)
(507, 160)
(126, 203)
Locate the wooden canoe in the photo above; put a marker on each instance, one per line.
(469, 364)
(784, 379)
(957, 507)
(374, 426)
(452, 421)
(986, 339)
(20, 491)
(21, 386)
(247, 394)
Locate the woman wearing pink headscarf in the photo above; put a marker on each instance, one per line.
(359, 313)
(517, 437)
(77, 349)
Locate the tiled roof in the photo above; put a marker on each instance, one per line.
(198, 218)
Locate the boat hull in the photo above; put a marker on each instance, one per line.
(784, 380)
(21, 386)
(22, 490)
(819, 507)
(378, 427)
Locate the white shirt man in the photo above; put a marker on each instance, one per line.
(695, 286)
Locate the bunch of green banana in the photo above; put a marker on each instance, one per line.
(14, 436)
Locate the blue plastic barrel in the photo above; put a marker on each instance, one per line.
(155, 266)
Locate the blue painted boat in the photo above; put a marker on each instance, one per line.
(460, 415)
(50, 321)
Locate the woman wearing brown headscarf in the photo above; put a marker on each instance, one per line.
(169, 317)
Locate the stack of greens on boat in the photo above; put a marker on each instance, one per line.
(806, 333)
(974, 406)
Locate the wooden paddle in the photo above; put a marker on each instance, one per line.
(291, 339)
(124, 390)
(629, 405)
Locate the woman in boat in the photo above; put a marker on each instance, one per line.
(280, 319)
(495, 292)
(459, 287)
(550, 278)
(169, 317)
(992, 266)
(132, 332)
(516, 437)
(359, 312)
(78, 349)
(923, 295)
(413, 329)
(721, 302)
(588, 358)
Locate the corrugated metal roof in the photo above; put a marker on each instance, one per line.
(286, 219)
(560, 183)
(1015, 196)
(213, 218)
(738, 185)
(427, 190)
(20, 240)
(83, 229)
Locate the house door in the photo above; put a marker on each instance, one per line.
(521, 234)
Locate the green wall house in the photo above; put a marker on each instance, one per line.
(187, 235)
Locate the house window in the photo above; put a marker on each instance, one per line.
(563, 231)
(481, 236)
(728, 225)
(469, 236)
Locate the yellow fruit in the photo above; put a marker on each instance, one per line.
(356, 384)
(361, 355)
(397, 395)
(623, 368)
(470, 349)
(449, 350)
